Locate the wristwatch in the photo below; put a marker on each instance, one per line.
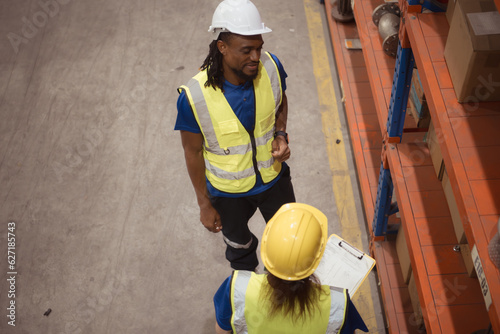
(281, 133)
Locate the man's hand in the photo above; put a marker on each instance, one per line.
(281, 151)
(210, 218)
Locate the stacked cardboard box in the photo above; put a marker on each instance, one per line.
(433, 141)
(449, 10)
(452, 205)
(472, 51)
(469, 264)
(417, 318)
(403, 255)
(457, 224)
(417, 104)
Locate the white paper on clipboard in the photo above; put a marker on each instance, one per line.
(343, 265)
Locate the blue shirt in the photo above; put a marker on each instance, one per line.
(223, 311)
(242, 100)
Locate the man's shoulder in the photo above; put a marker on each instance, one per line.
(274, 57)
(199, 79)
(200, 75)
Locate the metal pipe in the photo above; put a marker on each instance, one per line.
(386, 18)
(342, 11)
(388, 28)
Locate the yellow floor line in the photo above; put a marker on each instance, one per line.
(332, 130)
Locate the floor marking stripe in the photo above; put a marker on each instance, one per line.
(332, 130)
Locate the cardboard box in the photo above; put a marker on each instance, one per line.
(472, 51)
(452, 205)
(417, 318)
(450, 9)
(403, 255)
(417, 104)
(411, 111)
(465, 250)
(432, 140)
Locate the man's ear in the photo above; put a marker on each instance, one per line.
(222, 47)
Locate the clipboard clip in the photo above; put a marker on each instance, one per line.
(351, 249)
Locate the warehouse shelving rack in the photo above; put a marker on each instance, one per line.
(390, 160)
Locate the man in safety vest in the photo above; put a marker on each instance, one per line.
(232, 118)
(289, 299)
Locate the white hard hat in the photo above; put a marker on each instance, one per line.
(239, 17)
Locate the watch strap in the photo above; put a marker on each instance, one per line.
(281, 133)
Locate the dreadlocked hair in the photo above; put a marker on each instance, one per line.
(213, 62)
(294, 299)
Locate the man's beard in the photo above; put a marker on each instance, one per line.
(244, 76)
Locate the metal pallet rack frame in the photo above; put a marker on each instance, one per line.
(450, 300)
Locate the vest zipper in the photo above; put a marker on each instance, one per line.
(252, 137)
(254, 153)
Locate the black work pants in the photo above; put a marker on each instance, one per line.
(241, 250)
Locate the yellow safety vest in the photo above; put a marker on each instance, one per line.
(233, 155)
(250, 311)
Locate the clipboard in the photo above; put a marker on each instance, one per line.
(343, 265)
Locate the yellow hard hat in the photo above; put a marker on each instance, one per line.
(294, 241)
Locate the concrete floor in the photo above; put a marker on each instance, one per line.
(93, 175)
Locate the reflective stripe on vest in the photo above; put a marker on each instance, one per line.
(227, 146)
(337, 309)
(250, 314)
(239, 286)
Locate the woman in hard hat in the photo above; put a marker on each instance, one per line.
(289, 299)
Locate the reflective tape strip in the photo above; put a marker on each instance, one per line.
(261, 141)
(265, 164)
(237, 245)
(220, 173)
(273, 74)
(337, 310)
(241, 149)
(202, 112)
(240, 285)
